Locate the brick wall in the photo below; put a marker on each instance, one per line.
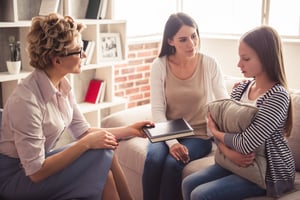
(132, 78)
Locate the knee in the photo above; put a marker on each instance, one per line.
(154, 158)
(110, 175)
(153, 163)
(196, 195)
(173, 165)
(187, 187)
(96, 154)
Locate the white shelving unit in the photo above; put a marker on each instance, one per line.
(15, 19)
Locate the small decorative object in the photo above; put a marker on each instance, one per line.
(13, 67)
(14, 63)
(110, 47)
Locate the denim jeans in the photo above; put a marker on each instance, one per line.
(162, 173)
(215, 183)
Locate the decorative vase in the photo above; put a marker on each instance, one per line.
(13, 67)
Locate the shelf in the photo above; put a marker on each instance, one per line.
(15, 24)
(5, 76)
(89, 107)
(100, 22)
(102, 64)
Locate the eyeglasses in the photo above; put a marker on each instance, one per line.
(80, 52)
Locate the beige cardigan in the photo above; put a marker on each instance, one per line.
(214, 83)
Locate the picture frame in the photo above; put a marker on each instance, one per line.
(110, 47)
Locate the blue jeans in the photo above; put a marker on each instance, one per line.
(215, 183)
(162, 173)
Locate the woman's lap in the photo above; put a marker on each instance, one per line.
(216, 182)
(83, 178)
(163, 172)
(197, 148)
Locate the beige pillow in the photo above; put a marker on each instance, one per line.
(294, 139)
(234, 117)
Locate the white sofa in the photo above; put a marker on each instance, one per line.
(132, 152)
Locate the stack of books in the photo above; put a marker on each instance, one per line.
(96, 91)
(48, 6)
(96, 9)
(88, 47)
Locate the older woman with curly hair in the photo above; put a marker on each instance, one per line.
(40, 109)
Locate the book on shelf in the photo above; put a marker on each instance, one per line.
(168, 130)
(93, 10)
(48, 6)
(103, 9)
(85, 43)
(95, 88)
(102, 91)
(88, 47)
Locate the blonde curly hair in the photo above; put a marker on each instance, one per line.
(51, 36)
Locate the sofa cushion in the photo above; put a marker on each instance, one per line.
(294, 139)
(127, 116)
(131, 155)
(198, 164)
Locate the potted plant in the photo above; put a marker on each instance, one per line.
(14, 62)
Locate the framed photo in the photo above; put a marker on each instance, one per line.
(110, 47)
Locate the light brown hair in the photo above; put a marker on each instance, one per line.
(51, 36)
(266, 42)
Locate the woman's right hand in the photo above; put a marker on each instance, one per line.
(100, 139)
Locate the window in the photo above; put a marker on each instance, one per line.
(285, 17)
(226, 17)
(146, 17)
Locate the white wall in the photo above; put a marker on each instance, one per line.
(226, 52)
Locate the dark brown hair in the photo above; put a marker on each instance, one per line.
(172, 26)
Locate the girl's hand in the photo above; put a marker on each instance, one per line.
(236, 84)
(212, 126)
(242, 160)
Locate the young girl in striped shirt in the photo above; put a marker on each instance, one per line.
(261, 57)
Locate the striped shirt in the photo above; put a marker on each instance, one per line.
(268, 128)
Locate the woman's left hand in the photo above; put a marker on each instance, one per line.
(180, 152)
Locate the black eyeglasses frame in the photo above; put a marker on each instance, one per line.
(80, 52)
